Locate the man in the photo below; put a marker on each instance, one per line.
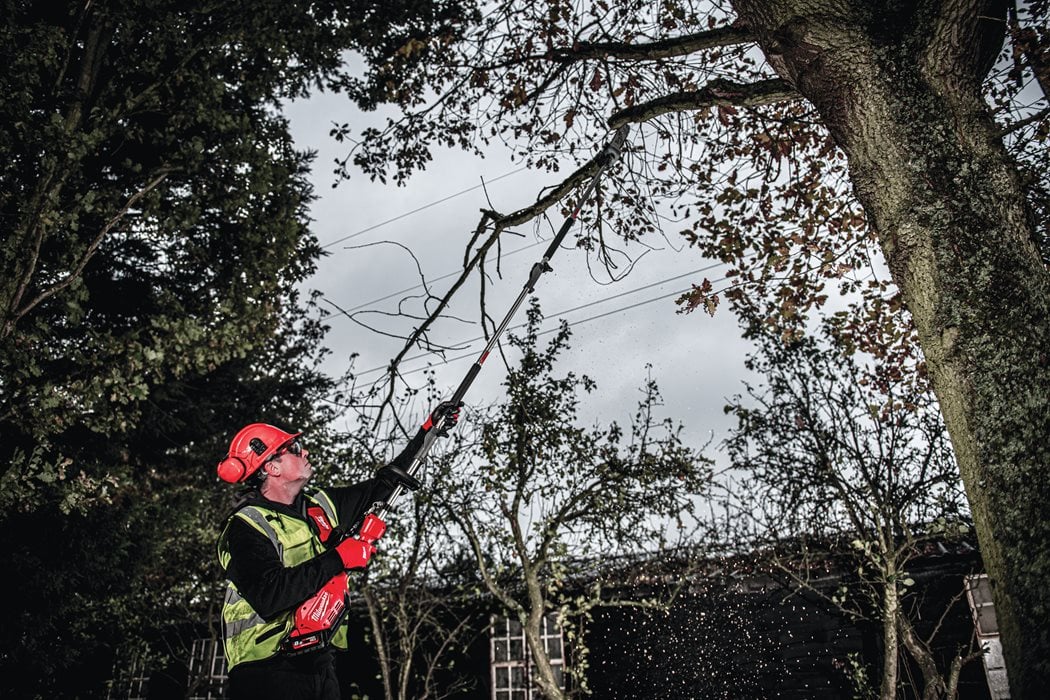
(283, 546)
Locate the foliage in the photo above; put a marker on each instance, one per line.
(890, 152)
(417, 591)
(825, 429)
(155, 218)
(726, 154)
(838, 470)
(536, 494)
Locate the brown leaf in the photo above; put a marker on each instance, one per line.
(596, 81)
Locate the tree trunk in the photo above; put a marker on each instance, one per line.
(533, 627)
(891, 647)
(541, 663)
(933, 685)
(375, 616)
(898, 85)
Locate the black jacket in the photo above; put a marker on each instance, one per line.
(256, 569)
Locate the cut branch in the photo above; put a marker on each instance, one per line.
(521, 216)
(499, 223)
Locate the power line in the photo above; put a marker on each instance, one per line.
(552, 330)
(572, 310)
(419, 209)
(436, 279)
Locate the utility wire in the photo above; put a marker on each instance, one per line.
(552, 330)
(518, 250)
(572, 310)
(419, 209)
(436, 279)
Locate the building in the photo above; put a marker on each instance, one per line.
(736, 628)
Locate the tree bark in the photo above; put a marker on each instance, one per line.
(543, 672)
(933, 685)
(898, 83)
(891, 644)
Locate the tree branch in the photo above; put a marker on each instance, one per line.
(500, 223)
(579, 176)
(665, 48)
(717, 92)
(421, 330)
(488, 577)
(933, 683)
(964, 41)
(17, 314)
(380, 642)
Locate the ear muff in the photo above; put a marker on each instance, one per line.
(233, 470)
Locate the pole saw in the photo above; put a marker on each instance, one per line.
(318, 618)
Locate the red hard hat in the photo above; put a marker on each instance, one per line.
(249, 450)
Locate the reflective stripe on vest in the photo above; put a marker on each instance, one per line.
(246, 635)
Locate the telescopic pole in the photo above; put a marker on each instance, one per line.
(609, 155)
(317, 618)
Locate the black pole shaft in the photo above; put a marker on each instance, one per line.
(609, 155)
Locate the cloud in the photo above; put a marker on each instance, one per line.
(696, 359)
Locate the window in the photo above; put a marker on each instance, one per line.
(512, 672)
(207, 678)
(979, 594)
(130, 682)
(206, 681)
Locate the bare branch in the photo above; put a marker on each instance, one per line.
(499, 224)
(716, 92)
(665, 48)
(443, 302)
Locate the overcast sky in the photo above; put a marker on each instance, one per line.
(696, 359)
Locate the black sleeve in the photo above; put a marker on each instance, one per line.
(259, 575)
(352, 502)
(403, 459)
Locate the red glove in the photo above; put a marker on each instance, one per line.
(371, 529)
(447, 410)
(354, 553)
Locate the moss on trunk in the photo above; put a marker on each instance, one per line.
(898, 85)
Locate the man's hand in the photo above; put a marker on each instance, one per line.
(355, 553)
(446, 410)
(371, 529)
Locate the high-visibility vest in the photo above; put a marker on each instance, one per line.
(246, 635)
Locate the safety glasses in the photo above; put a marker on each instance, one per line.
(293, 448)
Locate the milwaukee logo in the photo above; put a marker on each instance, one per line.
(322, 606)
(321, 520)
